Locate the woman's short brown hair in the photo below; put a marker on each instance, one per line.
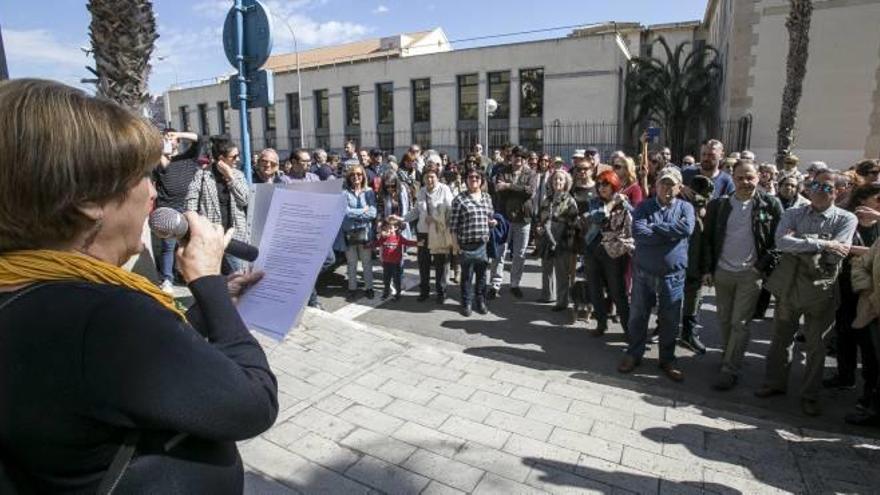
(350, 173)
(61, 150)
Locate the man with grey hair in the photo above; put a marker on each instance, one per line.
(813, 240)
(267, 168)
(320, 167)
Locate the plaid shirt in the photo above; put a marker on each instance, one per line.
(470, 218)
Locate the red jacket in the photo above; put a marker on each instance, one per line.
(392, 247)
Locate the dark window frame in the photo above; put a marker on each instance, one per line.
(472, 111)
(202, 114)
(421, 88)
(183, 110)
(536, 84)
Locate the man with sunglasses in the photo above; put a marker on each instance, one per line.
(813, 240)
(267, 170)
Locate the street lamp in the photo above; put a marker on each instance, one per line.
(491, 106)
(299, 102)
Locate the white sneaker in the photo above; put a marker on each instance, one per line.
(167, 287)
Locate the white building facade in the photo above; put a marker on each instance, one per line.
(560, 94)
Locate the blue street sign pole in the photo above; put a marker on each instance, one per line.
(242, 92)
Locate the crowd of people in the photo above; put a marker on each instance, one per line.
(617, 241)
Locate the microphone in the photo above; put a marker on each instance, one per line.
(169, 223)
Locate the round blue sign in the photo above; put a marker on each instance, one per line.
(257, 35)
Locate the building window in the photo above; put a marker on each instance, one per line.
(385, 116)
(499, 90)
(203, 119)
(352, 106)
(468, 97)
(184, 118)
(421, 98)
(322, 109)
(385, 99)
(352, 101)
(270, 134)
(223, 117)
(531, 84)
(322, 119)
(293, 122)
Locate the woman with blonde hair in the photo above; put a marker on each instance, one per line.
(555, 242)
(625, 168)
(116, 388)
(356, 232)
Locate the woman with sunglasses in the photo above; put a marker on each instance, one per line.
(625, 168)
(221, 193)
(356, 231)
(853, 337)
(471, 223)
(609, 243)
(583, 189)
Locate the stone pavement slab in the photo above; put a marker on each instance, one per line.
(369, 411)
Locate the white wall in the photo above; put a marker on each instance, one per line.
(581, 84)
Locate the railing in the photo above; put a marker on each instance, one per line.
(555, 139)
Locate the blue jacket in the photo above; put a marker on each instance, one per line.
(661, 236)
(498, 236)
(356, 216)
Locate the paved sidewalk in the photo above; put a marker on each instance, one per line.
(366, 411)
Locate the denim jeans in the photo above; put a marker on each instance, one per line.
(166, 259)
(473, 265)
(518, 242)
(666, 291)
(364, 254)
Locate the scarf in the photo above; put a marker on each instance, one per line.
(24, 267)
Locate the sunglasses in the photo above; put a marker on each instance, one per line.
(582, 169)
(618, 167)
(820, 187)
(356, 174)
(602, 183)
(267, 162)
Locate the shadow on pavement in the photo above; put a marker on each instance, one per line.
(594, 480)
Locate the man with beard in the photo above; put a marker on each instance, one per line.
(711, 155)
(739, 241)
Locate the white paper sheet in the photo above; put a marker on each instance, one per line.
(298, 232)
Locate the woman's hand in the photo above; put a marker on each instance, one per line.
(867, 214)
(225, 169)
(203, 253)
(238, 283)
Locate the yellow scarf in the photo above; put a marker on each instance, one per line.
(24, 267)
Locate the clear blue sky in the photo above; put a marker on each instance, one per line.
(43, 37)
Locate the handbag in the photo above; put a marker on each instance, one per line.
(120, 461)
(357, 235)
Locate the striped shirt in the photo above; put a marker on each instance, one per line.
(470, 218)
(172, 182)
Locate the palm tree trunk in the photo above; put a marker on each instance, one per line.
(123, 34)
(798, 25)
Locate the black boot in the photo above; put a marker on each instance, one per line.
(690, 338)
(481, 307)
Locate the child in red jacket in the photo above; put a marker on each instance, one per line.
(392, 246)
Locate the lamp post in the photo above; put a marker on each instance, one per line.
(299, 102)
(491, 106)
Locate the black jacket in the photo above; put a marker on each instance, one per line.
(766, 213)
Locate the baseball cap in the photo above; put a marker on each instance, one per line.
(791, 158)
(592, 151)
(579, 153)
(670, 173)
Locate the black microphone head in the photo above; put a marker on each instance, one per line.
(168, 223)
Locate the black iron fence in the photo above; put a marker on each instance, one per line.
(555, 139)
